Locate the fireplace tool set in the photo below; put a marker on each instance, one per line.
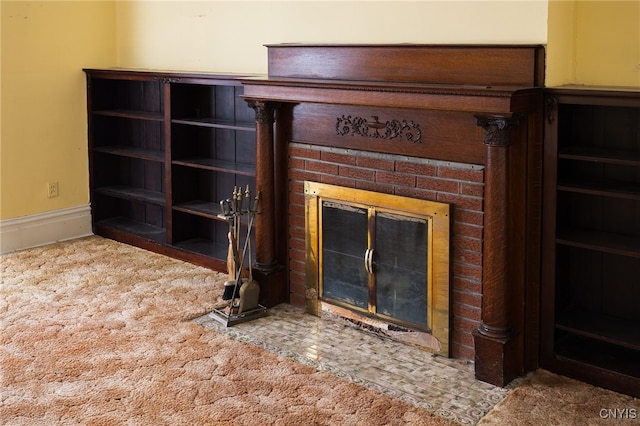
(241, 290)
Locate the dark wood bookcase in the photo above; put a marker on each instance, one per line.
(591, 237)
(164, 149)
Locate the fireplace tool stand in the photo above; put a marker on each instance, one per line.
(241, 290)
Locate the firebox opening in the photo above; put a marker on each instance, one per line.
(380, 260)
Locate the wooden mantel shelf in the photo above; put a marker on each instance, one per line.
(489, 99)
(491, 79)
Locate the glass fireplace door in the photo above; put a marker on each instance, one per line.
(376, 261)
(344, 241)
(401, 263)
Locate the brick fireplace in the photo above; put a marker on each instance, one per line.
(457, 184)
(459, 125)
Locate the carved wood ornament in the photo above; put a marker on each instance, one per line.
(392, 129)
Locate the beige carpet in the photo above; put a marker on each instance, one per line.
(96, 333)
(545, 398)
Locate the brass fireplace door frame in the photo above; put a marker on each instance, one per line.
(438, 247)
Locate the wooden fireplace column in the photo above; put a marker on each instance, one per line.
(493, 96)
(265, 181)
(494, 337)
(269, 265)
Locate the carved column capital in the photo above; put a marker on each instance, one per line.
(497, 128)
(264, 110)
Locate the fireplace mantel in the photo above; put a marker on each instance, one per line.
(473, 105)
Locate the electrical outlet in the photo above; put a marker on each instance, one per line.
(52, 189)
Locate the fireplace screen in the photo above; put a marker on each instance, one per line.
(384, 256)
(375, 261)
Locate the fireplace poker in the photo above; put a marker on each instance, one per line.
(250, 290)
(251, 212)
(237, 195)
(227, 212)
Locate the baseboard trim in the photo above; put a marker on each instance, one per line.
(45, 228)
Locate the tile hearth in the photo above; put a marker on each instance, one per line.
(441, 385)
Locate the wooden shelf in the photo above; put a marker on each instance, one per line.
(204, 247)
(616, 331)
(591, 161)
(218, 165)
(134, 227)
(216, 123)
(201, 208)
(624, 245)
(132, 193)
(627, 190)
(192, 136)
(595, 359)
(600, 155)
(132, 152)
(206, 209)
(132, 114)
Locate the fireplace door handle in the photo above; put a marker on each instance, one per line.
(368, 261)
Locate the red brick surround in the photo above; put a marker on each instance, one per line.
(461, 185)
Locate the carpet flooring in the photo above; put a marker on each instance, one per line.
(97, 333)
(94, 332)
(545, 398)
